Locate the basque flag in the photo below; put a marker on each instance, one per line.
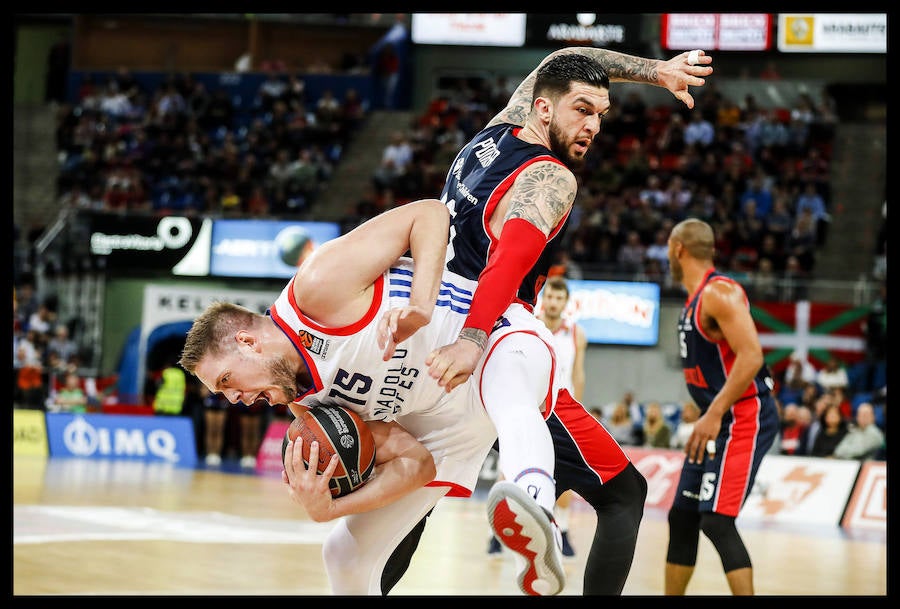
(815, 331)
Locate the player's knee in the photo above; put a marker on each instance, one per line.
(684, 537)
(341, 561)
(722, 532)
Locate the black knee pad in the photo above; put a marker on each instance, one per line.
(684, 537)
(722, 532)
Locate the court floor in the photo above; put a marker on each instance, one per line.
(94, 527)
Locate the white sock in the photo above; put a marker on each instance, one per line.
(515, 381)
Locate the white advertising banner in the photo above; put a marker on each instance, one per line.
(832, 33)
(469, 29)
(800, 490)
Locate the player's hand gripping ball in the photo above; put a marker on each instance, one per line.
(338, 431)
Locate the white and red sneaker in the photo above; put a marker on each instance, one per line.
(529, 530)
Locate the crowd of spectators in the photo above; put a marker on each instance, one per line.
(185, 149)
(834, 411)
(760, 176)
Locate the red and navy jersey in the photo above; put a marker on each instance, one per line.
(483, 171)
(707, 362)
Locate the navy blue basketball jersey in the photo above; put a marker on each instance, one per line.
(483, 171)
(707, 363)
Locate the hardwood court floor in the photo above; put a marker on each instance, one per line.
(91, 527)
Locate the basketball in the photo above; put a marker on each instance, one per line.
(338, 431)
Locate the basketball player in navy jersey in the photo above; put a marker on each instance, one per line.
(727, 377)
(510, 191)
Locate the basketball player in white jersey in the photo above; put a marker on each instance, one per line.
(316, 345)
(570, 345)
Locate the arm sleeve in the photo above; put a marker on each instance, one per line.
(521, 244)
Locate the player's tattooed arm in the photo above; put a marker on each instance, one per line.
(542, 195)
(519, 105)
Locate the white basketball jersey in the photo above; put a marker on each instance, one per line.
(564, 345)
(347, 369)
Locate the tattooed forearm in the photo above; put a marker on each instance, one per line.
(622, 67)
(542, 195)
(519, 105)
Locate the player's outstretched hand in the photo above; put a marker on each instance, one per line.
(677, 74)
(307, 487)
(398, 324)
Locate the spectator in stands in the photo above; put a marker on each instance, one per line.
(294, 95)
(71, 396)
(329, 114)
(795, 280)
(840, 397)
(699, 131)
(758, 191)
(396, 159)
(832, 429)
(280, 171)
(773, 137)
(115, 102)
(800, 366)
(690, 412)
(28, 366)
(792, 426)
(653, 192)
(764, 281)
(808, 437)
(778, 225)
(387, 74)
(171, 392)
(659, 249)
(631, 254)
(833, 375)
(622, 427)
(864, 440)
(657, 433)
(42, 321)
(171, 105)
(272, 89)
(811, 201)
(61, 343)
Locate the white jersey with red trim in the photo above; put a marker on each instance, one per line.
(564, 346)
(347, 369)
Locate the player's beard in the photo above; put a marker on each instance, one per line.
(560, 147)
(284, 376)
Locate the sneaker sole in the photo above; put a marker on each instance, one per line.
(521, 525)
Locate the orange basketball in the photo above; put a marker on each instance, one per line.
(338, 431)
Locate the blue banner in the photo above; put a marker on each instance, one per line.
(265, 248)
(133, 437)
(614, 312)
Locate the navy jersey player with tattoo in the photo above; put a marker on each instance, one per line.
(510, 191)
(728, 378)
